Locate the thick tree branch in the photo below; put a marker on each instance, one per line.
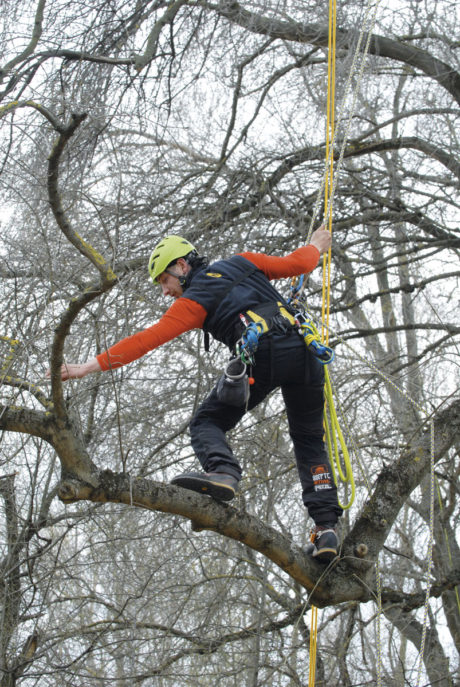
(57, 349)
(414, 142)
(10, 574)
(317, 34)
(396, 482)
(108, 277)
(62, 435)
(326, 587)
(357, 148)
(34, 422)
(434, 658)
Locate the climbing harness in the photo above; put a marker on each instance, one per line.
(233, 385)
(284, 319)
(268, 317)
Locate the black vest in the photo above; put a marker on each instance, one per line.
(227, 288)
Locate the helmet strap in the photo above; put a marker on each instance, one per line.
(181, 277)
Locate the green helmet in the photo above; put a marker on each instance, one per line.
(170, 249)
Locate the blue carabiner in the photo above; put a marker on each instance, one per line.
(250, 337)
(323, 353)
(295, 288)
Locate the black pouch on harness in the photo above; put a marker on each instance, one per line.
(233, 386)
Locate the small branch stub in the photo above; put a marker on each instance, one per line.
(71, 491)
(67, 492)
(361, 550)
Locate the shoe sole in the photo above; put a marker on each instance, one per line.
(221, 492)
(325, 555)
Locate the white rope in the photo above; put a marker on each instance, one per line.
(368, 26)
(429, 558)
(370, 21)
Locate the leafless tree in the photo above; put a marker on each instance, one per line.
(123, 121)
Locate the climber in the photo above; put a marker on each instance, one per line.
(223, 299)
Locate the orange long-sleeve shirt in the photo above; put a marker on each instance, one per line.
(185, 314)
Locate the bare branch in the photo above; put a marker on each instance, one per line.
(398, 480)
(317, 34)
(75, 239)
(36, 34)
(150, 50)
(34, 422)
(24, 385)
(207, 514)
(15, 105)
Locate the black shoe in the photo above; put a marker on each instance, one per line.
(217, 484)
(324, 543)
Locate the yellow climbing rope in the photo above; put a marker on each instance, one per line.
(333, 429)
(313, 645)
(326, 280)
(334, 435)
(330, 181)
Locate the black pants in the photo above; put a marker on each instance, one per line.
(282, 360)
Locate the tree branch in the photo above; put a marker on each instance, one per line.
(57, 350)
(406, 288)
(326, 588)
(410, 602)
(107, 274)
(61, 435)
(358, 333)
(36, 33)
(356, 148)
(317, 34)
(26, 421)
(16, 105)
(398, 480)
(152, 42)
(24, 385)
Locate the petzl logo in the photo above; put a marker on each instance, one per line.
(321, 477)
(213, 274)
